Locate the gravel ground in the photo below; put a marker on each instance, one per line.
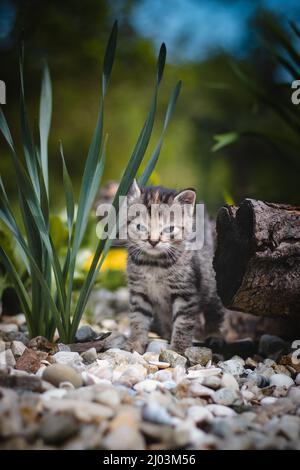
(242, 395)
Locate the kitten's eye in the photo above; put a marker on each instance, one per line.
(169, 229)
(141, 228)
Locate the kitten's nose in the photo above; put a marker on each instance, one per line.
(153, 242)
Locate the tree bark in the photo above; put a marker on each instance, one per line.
(257, 260)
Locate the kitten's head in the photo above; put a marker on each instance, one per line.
(159, 219)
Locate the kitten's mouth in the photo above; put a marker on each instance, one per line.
(153, 250)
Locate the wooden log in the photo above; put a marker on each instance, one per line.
(257, 260)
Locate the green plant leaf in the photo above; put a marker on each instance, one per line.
(45, 122)
(28, 146)
(155, 155)
(109, 57)
(222, 140)
(69, 196)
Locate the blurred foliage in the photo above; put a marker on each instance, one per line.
(71, 35)
(276, 97)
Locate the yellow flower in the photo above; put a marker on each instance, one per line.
(115, 260)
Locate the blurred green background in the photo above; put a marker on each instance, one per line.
(202, 37)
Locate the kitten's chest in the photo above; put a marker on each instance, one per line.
(157, 286)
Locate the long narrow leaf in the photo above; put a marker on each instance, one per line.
(45, 122)
(154, 157)
(29, 150)
(69, 196)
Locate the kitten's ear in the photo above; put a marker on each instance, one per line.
(134, 191)
(187, 196)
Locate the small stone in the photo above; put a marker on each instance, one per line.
(116, 356)
(162, 433)
(260, 380)
(85, 333)
(17, 348)
(281, 380)
(42, 344)
(199, 414)
(289, 426)
(55, 429)
(84, 411)
(294, 395)
(225, 396)
(232, 366)
(103, 393)
(280, 407)
(66, 357)
(268, 400)
(63, 347)
(155, 413)
(123, 432)
(220, 410)
(7, 359)
(129, 374)
(248, 395)
(54, 393)
(29, 361)
(15, 336)
(8, 328)
(169, 384)
(213, 382)
(198, 390)
(173, 358)
(58, 373)
(157, 346)
(124, 438)
(159, 364)
(270, 346)
(201, 373)
(198, 355)
(250, 363)
(89, 356)
(102, 369)
(147, 385)
(2, 346)
(162, 375)
(228, 381)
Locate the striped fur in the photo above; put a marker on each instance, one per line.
(170, 286)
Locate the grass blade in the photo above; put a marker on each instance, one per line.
(155, 155)
(69, 195)
(45, 122)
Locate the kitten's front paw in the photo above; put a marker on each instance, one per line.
(136, 345)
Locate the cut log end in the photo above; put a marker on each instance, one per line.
(257, 261)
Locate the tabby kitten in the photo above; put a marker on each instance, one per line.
(169, 285)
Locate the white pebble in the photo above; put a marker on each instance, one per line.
(220, 410)
(268, 400)
(67, 357)
(281, 380)
(147, 385)
(228, 381)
